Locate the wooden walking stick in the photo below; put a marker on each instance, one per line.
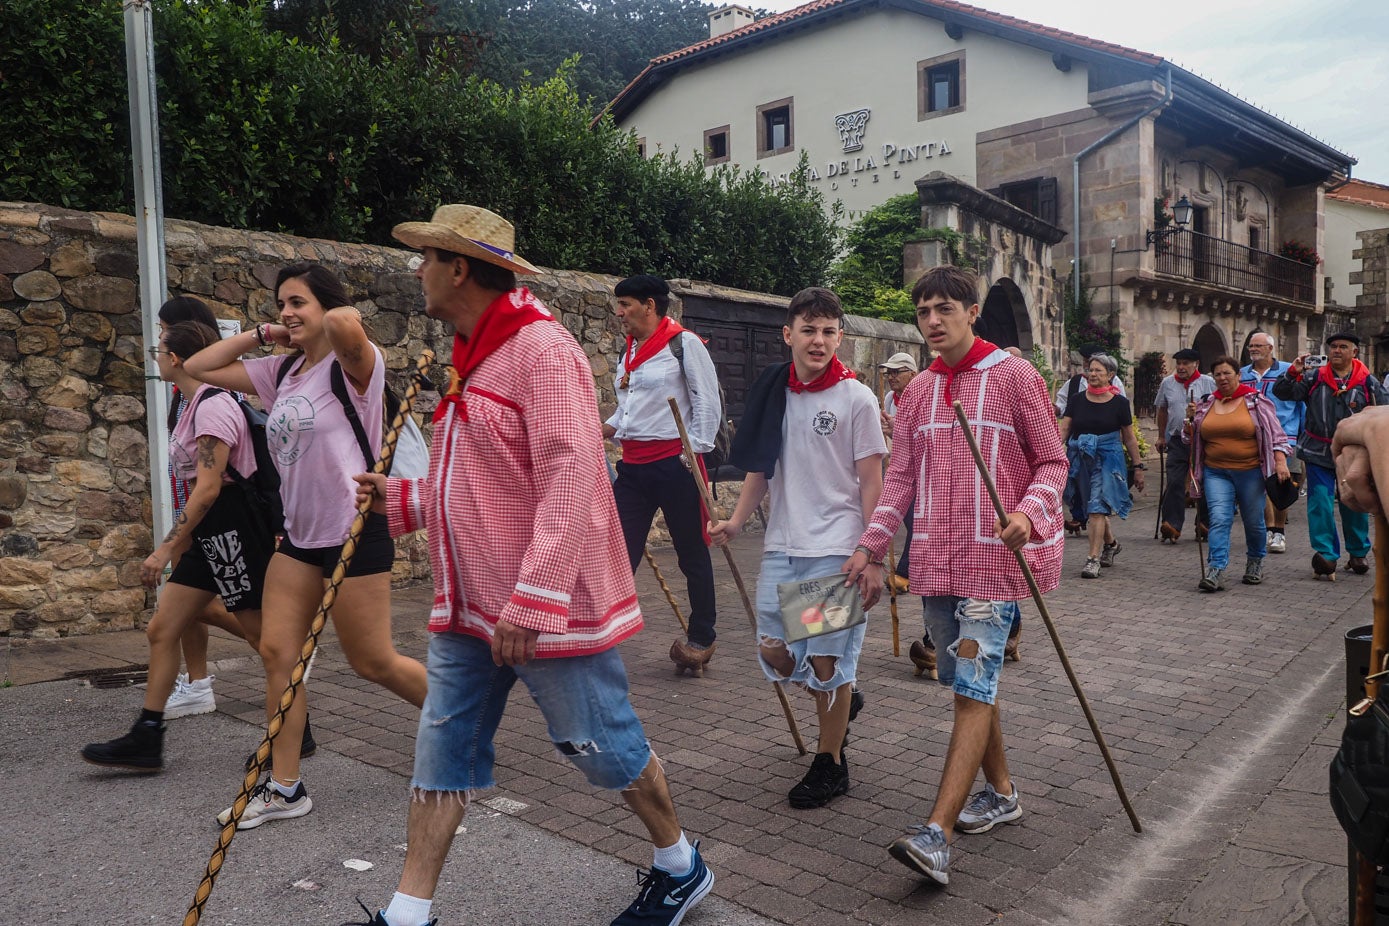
(666, 588)
(891, 560)
(1046, 619)
(692, 460)
(1366, 871)
(296, 680)
(1162, 490)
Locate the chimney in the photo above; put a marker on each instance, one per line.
(728, 18)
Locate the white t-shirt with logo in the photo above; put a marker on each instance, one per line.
(816, 509)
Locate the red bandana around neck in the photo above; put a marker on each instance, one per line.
(667, 330)
(834, 373)
(1111, 389)
(508, 314)
(977, 352)
(1242, 390)
(1189, 380)
(1358, 374)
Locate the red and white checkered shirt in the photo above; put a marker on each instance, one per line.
(954, 551)
(521, 518)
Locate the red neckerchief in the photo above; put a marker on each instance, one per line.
(1358, 374)
(1242, 390)
(977, 352)
(1111, 389)
(1189, 380)
(834, 373)
(508, 314)
(668, 328)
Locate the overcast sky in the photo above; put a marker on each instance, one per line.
(1321, 66)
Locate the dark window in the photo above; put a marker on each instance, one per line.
(1255, 244)
(641, 147)
(943, 87)
(775, 128)
(716, 145)
(1037, 197)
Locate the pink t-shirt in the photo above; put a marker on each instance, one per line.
(217, 416)
(315, 449)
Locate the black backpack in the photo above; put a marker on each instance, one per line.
(1360, 781)
(715, 460)
(263, 487)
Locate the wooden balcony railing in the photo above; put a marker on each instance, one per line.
(1217, 262)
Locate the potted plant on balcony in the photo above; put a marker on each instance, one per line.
(1293, 281)
(1296, 250)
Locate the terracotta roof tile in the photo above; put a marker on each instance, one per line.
(1362, 193)
(946, 6)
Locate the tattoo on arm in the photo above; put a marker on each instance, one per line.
(180, 522)
(207, 449)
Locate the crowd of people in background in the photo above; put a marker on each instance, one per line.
(546, 592)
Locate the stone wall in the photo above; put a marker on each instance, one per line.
(75, 509)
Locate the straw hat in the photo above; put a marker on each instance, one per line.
(469, 230)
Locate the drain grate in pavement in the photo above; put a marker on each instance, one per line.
(111, 678)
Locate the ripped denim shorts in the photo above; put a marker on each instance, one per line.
(583, 699)
(947, 620)
(844, 645)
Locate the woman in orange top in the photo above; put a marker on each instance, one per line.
(1236, 444)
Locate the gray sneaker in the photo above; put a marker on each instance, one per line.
(1091, 569)
(1110, 551)
(1253, 571)
(1213, 581)
(986, 809)
(924, 850)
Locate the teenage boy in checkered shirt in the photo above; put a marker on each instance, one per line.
(962, 557)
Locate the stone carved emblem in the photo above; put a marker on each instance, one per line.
(851, 126)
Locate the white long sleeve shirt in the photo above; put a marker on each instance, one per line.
(643, 412)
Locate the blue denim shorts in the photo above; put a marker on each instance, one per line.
(947, 619)
(583, 698)
(844, 645)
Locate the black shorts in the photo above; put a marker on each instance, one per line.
(231, 548)
(375, 551)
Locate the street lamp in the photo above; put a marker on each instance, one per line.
(1181, 216)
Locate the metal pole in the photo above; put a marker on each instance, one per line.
(149, 237)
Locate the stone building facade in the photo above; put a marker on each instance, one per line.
(75, 508)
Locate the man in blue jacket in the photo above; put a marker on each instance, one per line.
(1331, 392)
(1262, 372)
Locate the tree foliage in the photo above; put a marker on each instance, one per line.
(261, 129)
(868, 277)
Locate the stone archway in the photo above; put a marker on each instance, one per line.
(1210, 344)
(1004, 319)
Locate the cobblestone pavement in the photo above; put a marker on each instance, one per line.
(1221, 711)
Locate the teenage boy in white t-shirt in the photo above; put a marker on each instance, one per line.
(811, 436)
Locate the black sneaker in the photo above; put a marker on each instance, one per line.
(826, 780)
(379, 918)
(664, 899)
(307, 747)
(140, 750)
(855, 704)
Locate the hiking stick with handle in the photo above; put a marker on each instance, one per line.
(891, 570)
(1046, 619)
(306, 654)
(1162, 490)
(692, 460)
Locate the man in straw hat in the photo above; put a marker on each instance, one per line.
(660, 358)
(530, 572)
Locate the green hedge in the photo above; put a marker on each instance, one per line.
(259, 130)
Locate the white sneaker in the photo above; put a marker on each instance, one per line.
(190, 698)
(267, 803)
(1277, 543)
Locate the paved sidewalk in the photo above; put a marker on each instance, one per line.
(1222, 712)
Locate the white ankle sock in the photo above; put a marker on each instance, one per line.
(677, 859)
(407, 911)
(286, 790)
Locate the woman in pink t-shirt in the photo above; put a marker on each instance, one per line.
(316, 453)
(219, 543)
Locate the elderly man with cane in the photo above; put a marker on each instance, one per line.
(544, 593)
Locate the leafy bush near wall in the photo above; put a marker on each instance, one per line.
(259, 130)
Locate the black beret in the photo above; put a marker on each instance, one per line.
(1187, 353)
(1350, 336)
